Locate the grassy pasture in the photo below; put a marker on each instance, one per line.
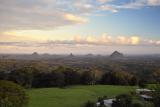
(74, 96)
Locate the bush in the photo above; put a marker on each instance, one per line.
(12, 95)
(101, 100)
(137, 105)
(118, 78)
(123, 100)
(90, 104)
(156, 97)
(22, 76)
(142, 83)
(48, 79)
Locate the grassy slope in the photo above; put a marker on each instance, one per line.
(73, 96)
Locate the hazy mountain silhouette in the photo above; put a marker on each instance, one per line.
(116, 54)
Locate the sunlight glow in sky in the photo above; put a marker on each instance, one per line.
(80, 26)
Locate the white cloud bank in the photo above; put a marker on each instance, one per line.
(103, 44)
(103, 40)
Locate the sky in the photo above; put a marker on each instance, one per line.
(80, 26)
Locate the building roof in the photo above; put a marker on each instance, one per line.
(146, 96)
(108, 102)
(143, 90)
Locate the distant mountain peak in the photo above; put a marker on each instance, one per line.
(71, 55)
(35, 53)
(116, 54)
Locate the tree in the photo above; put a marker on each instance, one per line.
(118, 78)
(137, 105)
(22, 76)
(133, 80)
(91, 76)
(88, 78)
(123, 100)
(156, 75)
(142, 83)
(71, 77)
(156, 96)
(57, 79)
(3, 75)
(48, 79)
(90, 104)
(12, 95)
(101, 100)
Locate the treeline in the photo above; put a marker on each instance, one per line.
(65, 76)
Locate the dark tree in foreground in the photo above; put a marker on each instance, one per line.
(137, 105)
(12, 95)
(123, 100)
(90, 104)
(118, 78)
(90, 77)
(22, 76)
(71, 76)
(156, 97)
(142, 83)
(45, 79)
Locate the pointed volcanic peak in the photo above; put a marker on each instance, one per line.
(35, 54)
(71, 55)
(116, 54)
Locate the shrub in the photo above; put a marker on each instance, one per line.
(12, 95)
(137, 105)
(123, 100)
(156, 97)
(90, 104)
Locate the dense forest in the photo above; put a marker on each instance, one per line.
(59, 71)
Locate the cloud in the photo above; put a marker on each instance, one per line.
(153, 2)
(75, 18)
(16, 39)
(103, 40)
(83, 44)
(104, 1)
(152, 42)
(140, 3)
(133, 40)
(51, 14)
(40, 14)
(108, 8)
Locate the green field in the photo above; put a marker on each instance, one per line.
(74, 96)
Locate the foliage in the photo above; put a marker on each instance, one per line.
(22, 76)
(101, 100)
(156, 96)
(137, 105)
(72, 77)
(118, 78)
(88, 78)
(91, 77)
(12, 95)
(45, 79)
(90, 104)
(156, 75)
(65, 76)
(142, 83)
(123, 100)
